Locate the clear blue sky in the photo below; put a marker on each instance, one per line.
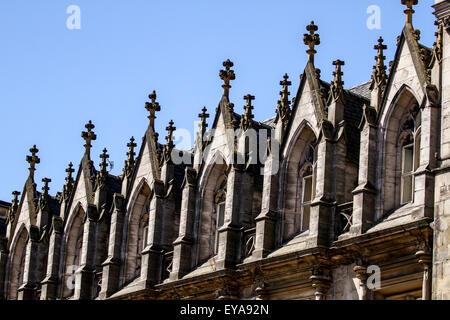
(53, 80)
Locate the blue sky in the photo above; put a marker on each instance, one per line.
(53, 80)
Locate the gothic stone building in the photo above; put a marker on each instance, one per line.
(342, 183)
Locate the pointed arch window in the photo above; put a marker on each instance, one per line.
(409, 145)
(219, 201)
(307, 187)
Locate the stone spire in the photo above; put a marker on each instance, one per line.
(379, 76)
(203, 117)
(169, 141)
(130, 162)
(247, 117)
(103, 174)
(43, 199)
(227, 75)
(68, 186)
(14, 206)
(409, 10)
(88, 136)
(311, 40)
(284, 105)
(152, 108)
(33, 160)
(337, 85)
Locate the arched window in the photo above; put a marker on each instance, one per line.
(401, 152)
(306, 188)
(408, 154)
(136, 236)
(142, 239)
(219, 201)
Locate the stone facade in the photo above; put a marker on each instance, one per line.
(344, 194)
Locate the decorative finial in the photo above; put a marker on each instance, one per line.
(104, 156)
(337, 85)
(129, 163)
(284, 105)
(247, 118)
(227, 75)
(409, 9)
(169, 142)
(203, 116)
(46, 188)
(14, 206)
(379, 76)
(103, 174)
(68, 186)
(311, 40)
(33, 160)
(43, 199)
(152, 107)
(88, 136)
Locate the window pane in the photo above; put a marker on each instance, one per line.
(407, 189)
(220, 214)
(305, 217)
(307, 189)
(408, 159)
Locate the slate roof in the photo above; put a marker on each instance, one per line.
(355, 98)
(5, 204)
(362, 90)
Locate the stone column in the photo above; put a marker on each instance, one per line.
(364, 196)
(230, 233)
(152, 255)
(85, 275)
(27, 291)
(182, 251)
(323, 204)
(361, 274)
(3, 260)
(111, 267)
(49, 285)
(321, 283)
(424, 258)
(267, 219)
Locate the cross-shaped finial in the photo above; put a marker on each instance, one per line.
(379, 70)
(69, 171)
(14, 206)
(311, 40)
(170, 129)
(88, 136)
(45, 188)
(33, 160)
(337, 85)
(380, 47)
(104, 156)
(284, 110)
(131, 145)
(203, 116)
(16, 195)
(129, 163)
(409, 9)
(227, 75)
(247, 118)
(167, 152)
(338, 73)
(152, 107)
(285, 92)
(249, 98)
